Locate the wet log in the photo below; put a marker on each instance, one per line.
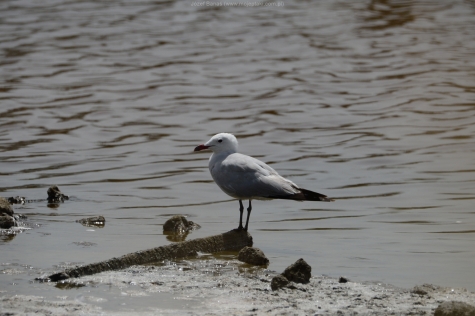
(232, 240)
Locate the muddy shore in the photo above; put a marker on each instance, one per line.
(219, 284)
(211, 286)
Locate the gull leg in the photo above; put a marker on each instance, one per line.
(241, 210)
(249, 209)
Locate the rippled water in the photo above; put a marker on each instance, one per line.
(372, 103)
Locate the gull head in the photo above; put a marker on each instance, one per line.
(222, 142)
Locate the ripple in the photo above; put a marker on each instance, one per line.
(314, 218)
(367, 196)
(455, 232)
(368, 102)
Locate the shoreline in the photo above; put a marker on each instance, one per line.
(209, 286)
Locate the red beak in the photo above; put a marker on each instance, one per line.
(201, 147)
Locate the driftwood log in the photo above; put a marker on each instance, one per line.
(232, 240)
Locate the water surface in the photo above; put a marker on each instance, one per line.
(372, 103)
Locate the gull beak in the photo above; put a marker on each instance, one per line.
(201, 147)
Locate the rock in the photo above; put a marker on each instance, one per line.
(419, 290)
(343, 280)
(299, 272)
(424, 289)
(55, 195)
(278, 282)
(6, 221)
(178, 224)
(454, 308)
(5, 207)
(253, 256)
(96, 221)
(17, 200)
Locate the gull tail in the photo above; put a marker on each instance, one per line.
(303, 195)
(313, 196)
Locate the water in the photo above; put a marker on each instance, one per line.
(372, 103)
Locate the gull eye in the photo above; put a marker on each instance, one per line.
(220, 141)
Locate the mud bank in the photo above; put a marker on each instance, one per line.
(210, 286)
(231, 240)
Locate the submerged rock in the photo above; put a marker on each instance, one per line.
(178, 227)
(55, 195)
(5, 207)
(6, 221)
(454, 308)
(178, 224)
(6, 214)
(299, 272)
(17, 200)
(96, 221)
(253, 256)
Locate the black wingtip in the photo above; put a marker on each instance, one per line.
(303, 195)
(314, 196)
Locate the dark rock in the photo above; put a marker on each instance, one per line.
(253, 256)
(55, 195)
(5, 207)
(343, 280)
(17, 200)
(424, 289)
(299, 272)
(54, 277)
(6, 221)
(278, 282)
(178, 224)
(419, 290)
(65, 285)
(96, 221)
(454, 308)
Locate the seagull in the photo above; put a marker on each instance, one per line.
(246, 178)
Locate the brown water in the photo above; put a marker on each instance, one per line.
(371, 102)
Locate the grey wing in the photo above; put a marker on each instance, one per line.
(244, 177)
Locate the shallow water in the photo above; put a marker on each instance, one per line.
(372, 103)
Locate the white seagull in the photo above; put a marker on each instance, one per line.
(246, 178)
